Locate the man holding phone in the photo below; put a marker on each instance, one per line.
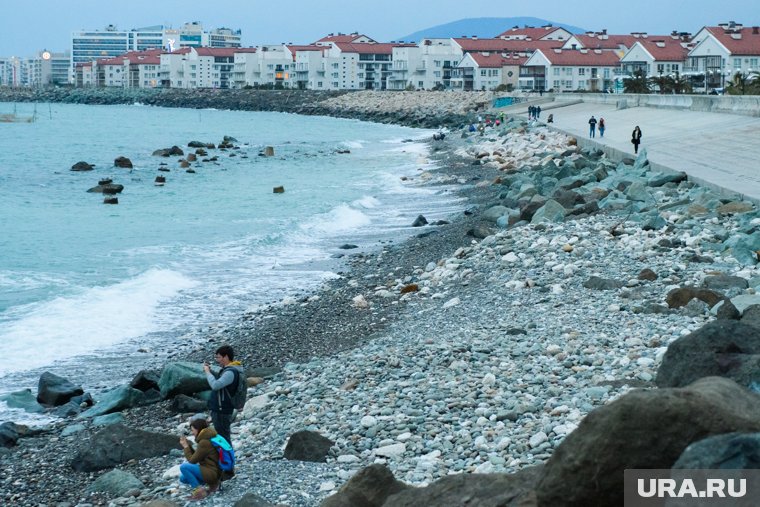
(220, 402)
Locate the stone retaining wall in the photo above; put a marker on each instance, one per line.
(748, 105)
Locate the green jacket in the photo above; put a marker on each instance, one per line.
(206, 456)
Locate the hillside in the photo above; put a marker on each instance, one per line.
(482, 27)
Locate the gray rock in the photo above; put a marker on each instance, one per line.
(82, 166)
(185, 404)
(24, 400)
(54, 390)
(253, 500)
(107, 420)
(419, 221)
(72, 430)
(725, 348)
(552, 212)
(370, 487)
(9, 434)
(597, 283)
(724, 282)
(118, 444)
(642, 429)
(308, 446)
(115, 483)
(731, 451)
(117, 399)
(493, 213)
(182, 378)
(490, 490)
(144, 380)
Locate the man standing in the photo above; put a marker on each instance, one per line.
(223, 388)
(592, 126)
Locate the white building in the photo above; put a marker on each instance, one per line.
(722, 51)
(487, 71)
(89, 45)
(48, 68)
(199, 67)
(654, 56)
(566, 70)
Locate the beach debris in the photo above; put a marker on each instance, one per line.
(184, 164)
(279, 190)
(190, 171)
(267, 152)
(160, 180)
(191, 157)
(82, 166)
(342, 152)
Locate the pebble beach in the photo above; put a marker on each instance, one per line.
(474, 347)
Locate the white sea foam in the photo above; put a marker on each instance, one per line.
(354, 145)
(367, 202)
(96, 318)
(338, 220)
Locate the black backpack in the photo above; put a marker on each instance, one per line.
(238, 390)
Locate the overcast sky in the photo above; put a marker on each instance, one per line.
(28, 26)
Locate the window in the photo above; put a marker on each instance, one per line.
(556, 83)
(737, 63)
(483, 72)
(581, 71)
(606, 73)
(753, 63)
(437, 63)
(660, 68)
(555, 71)
(675, 67)
(319, 84)
(420, 84)
(437, 73)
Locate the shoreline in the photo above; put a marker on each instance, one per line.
(499, 356)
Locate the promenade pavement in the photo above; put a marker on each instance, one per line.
(721, 151)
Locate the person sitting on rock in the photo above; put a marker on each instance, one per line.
(202, 465)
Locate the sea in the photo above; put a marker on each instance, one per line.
(92, 291)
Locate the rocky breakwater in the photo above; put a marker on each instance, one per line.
(415, 109)
(529, 366)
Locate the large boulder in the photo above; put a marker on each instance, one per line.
(725, 282)
(724, 348)
(9, 434)
(598, 283)
(115, 400)
(183, 403)
(482, 490)
(107, 188)
(23, 400)
(122, 162)
(253, 500)
(82, 166)
(144, 380)
(115, 483)
(643, 429)
(370, 487)
(118, 444)
(182, 378)
(308, 446)
(552, 212)
(54, 390)
(732, 451)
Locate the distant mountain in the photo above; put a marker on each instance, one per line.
(482, 27)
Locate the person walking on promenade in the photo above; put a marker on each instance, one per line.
(220, 403)
(202, 465)
(538, 112)
(601, 127)
(530, 112)
(636, 139)
(592, 126)
(550, 118)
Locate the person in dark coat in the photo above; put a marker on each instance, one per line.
(202, 465)
(636, 139)
(592, 126)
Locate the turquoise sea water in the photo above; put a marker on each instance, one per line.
(79, 277)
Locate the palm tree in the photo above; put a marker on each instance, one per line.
(636, 84)
(742, 84)
(660, 83)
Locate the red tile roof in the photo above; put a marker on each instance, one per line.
(501, 45)
(738, 41)
(221, 52)
(497, 60)
(579, 57)
(531, 32)
(612, 42)
(342, 38)
(371, 48)
(666, 49)
(246, 50)
(118, 60)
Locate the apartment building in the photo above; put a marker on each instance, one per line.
(488, 71)
(199, 67)
(47, 68)
(89, 45)
(655, 56)
(546, 32)
(568, 70)
(720, 52)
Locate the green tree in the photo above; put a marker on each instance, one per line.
(636, 84)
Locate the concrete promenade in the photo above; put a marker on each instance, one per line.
(718, 150)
